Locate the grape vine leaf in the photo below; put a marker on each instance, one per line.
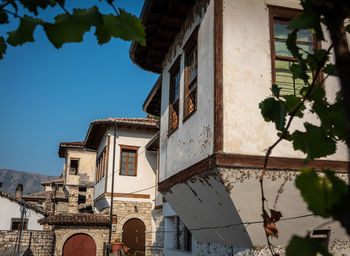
(71, 27)
(273, 110)
(33, 6)
(315, 143)
(24, 32)
(4, 18)
(323, 194)
(305, 247)
(3, 47)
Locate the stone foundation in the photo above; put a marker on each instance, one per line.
(41, 242)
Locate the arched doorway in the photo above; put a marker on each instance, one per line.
(134, 236)
(79, 244)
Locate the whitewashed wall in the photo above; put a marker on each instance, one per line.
(10, 209)
(145, 179)
(247, 80)
(193, 140)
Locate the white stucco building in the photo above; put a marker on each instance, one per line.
(11, 213)
(217, 60)
(121, 146)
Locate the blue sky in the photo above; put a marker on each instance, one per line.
(48, 96)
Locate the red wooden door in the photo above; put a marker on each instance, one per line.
(79, 245)
(134, 236)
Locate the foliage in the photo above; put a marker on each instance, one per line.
(325, 194)
(67, 26)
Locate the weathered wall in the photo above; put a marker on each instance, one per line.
(86, 169)
(223, 206)
(247, 80)
(193, 140)
(13, 210)
(158, 234)
(98, 234)
(41, 242)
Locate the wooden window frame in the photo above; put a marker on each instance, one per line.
(19, 220)
(190, 46)
(173, 104)
(127, 147)
(284, 13)
(70, 165)
(101, 165)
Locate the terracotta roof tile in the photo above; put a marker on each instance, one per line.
(131, 121)
(29, 205)
(60, 195)
(80, 219)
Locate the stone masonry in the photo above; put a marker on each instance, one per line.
(126, 210)
(41, 242)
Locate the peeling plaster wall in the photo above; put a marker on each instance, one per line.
(193, 140)
(223, 206)
(86, 168)
(247, 80)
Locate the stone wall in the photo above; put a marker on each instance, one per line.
(98, 234)
(41, 242)
(158, 242)
(126, 210)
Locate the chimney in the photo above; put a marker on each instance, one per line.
(19, 191)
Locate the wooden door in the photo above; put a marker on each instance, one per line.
(134, 236)
(78, 245)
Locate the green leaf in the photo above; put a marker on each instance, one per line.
(109, 28)
(305, 247)
(291, 103)
(275, 90)
(314, 60)
(131, 28)
(307, 20)
(24, 32)
(4, 18)
(71, 28)
(292, 44)
(33, 6)
(330, 69)
(273, 110)
(3, 47)
(324, 195)
(314, 142)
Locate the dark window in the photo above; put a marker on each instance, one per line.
(74, 165)
(16, 224)
(191, 71)
(128, 160)
(82, 189)
(187, 239)
(81, 199)
(282, 59)
(174, 93)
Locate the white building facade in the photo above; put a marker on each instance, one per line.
(217, 63)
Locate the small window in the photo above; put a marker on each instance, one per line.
(321, 235)
(191, 71)
(128, 160)
(101, 167)
(81, 199)
(74, 165)
(174, 94)
(82, 189)
(282, 59)
(16, 224)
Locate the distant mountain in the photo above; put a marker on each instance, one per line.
(31, 181)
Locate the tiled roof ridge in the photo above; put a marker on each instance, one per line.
(77, 143)
(28, 204)
(61, 180)
(46, 194)
(76, 219)
(127, 119)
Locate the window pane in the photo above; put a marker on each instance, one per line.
(124, 154)
(123, 171)
(124, 159)
(131, 160)
(131, 166)
(176, 85)
(123, 165)
(281, 48)
(304, 35)
(280, 29)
